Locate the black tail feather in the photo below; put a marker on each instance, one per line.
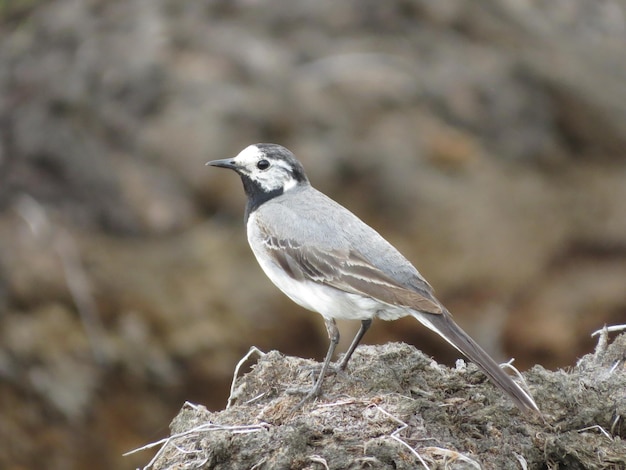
(444, 325)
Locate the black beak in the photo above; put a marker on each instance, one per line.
(225, 163)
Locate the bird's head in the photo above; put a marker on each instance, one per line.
(266, 169)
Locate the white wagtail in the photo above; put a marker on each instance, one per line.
(327, 260)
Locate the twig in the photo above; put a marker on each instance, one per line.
(395, 437)
(518, 374)
(522, 461)
(253, 399)
(609, 329)
(614, 423)
(454, 455)
(599, 428)
(524, 384)
(603, 339)
(615, 366)
(232, 397)
(206, 427)
(320, 460)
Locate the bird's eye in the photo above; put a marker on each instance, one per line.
(263, 164)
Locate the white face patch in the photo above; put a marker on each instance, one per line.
(279, 175)
(249, 156)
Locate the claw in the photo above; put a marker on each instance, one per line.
(309, 394)
(316, 369)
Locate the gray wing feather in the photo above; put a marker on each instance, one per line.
(355, 259)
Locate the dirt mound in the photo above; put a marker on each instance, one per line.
(397, 408)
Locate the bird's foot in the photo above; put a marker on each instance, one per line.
(315, 370)
(317, 373)
(310, 393)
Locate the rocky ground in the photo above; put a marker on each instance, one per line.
(398, 409)
(487, 140)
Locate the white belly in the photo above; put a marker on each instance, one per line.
(325, 300)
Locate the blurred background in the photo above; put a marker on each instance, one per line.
(486, 140)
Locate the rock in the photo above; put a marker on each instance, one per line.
(399, 409)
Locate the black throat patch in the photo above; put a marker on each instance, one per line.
(256, 195)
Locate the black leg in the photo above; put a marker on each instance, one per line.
(333, 335)
(365, 324)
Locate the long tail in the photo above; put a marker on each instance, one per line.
(444, 325)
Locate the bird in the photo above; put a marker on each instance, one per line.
(327, 260)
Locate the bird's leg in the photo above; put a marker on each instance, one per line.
(341, 367)
(333, 335)
(365, 324)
